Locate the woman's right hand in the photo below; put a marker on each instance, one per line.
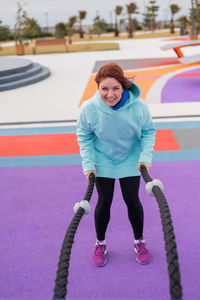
(87, 173)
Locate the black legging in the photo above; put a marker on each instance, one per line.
(130, 189)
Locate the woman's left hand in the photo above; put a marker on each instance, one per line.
(148, 166)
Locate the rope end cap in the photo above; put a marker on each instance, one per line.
(84, 204)
(150, 184)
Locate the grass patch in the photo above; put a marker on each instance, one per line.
(94, 38)
(4, 51)
(93, 47)
(122, 36)
(50, 49)
(156, 35)
(10, 50)
(30, 49)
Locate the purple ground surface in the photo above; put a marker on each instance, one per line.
(36, 209)
(182, 89)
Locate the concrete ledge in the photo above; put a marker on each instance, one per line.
(190, 59)
(181, 44)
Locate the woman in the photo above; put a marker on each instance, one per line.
(116, 135)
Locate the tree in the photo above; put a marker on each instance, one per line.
(70, 27)
(5, 33)
(82, 15)
(60, 30)
(184, 22)
(136, 24)
(174, 8)
(32, 29)
(99, 25)
(118, 11)
(147, 20)
(21, 20)
(121, 23)
(131, 9)
(151, 14)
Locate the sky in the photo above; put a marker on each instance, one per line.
(50, 12)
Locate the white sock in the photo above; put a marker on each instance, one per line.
(100, 242)
(139, 241)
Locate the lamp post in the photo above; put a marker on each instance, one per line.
(192, 16)
(193, 36)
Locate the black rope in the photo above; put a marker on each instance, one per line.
(169, 237)
(61, 281)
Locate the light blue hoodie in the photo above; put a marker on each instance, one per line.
(113, 142)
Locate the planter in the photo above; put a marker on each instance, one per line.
(19, 49)
(193, 36)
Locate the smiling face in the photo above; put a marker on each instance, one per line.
(110, 90)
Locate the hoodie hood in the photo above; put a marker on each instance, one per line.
(134, 93)
(135, 89)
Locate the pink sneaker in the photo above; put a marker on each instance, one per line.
(143, 254)
(99, 255)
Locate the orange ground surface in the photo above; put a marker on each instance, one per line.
(65, 144)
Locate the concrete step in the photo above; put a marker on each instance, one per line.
(9, 66)
(35, 68)
(44, 73)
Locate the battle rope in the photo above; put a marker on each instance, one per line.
(80, 208)
(155, 187)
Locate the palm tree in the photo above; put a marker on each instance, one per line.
(174, 9)
(69, 27)
(131, 9)
(82, 15)
(118, 11)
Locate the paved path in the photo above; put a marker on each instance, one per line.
(57, 97)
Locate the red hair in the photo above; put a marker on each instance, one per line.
(115, 71)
